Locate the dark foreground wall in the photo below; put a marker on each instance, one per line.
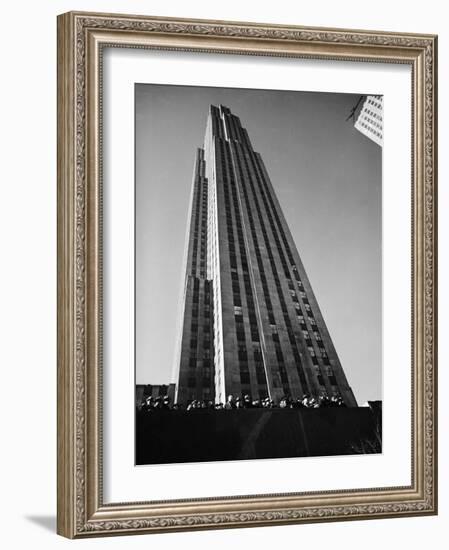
(207, 435)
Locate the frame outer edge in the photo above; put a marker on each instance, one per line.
(435, 269)
(77, 319)
(161, 19)
(93, 271)
(66, 343)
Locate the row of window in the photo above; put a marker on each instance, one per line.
(305, 301)
(205, 363)
(373, 114)
(376, 101)
(231, 196)
(369, 127)
(206, 310)
(367, 122)
(290, 283)
(194, 327)
(266, 197)
(200, 225)
(278, 349)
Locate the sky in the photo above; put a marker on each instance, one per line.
(328, 179)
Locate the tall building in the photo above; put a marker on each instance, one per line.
(370, 118)
(251, 323)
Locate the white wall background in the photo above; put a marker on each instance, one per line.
(28, 271)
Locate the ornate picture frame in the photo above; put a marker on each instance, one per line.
(82, 39)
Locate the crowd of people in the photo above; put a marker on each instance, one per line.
(245, 402)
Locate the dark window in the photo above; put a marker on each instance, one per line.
(283, 373)
(260, 375)
(252, 319)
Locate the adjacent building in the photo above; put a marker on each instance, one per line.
(369, 119)
(251, 323)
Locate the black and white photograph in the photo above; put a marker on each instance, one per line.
(224, 296)
(258, 274)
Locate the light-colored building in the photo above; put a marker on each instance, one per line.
(370, 118)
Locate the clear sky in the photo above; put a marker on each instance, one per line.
(328, 179)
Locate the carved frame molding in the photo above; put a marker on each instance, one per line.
(81, 38)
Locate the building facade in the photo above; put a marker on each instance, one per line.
(251, 323)
(369, 120)
(143, 391)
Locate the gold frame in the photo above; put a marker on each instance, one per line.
(81, 37)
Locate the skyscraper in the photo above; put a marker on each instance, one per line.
(251, 323)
